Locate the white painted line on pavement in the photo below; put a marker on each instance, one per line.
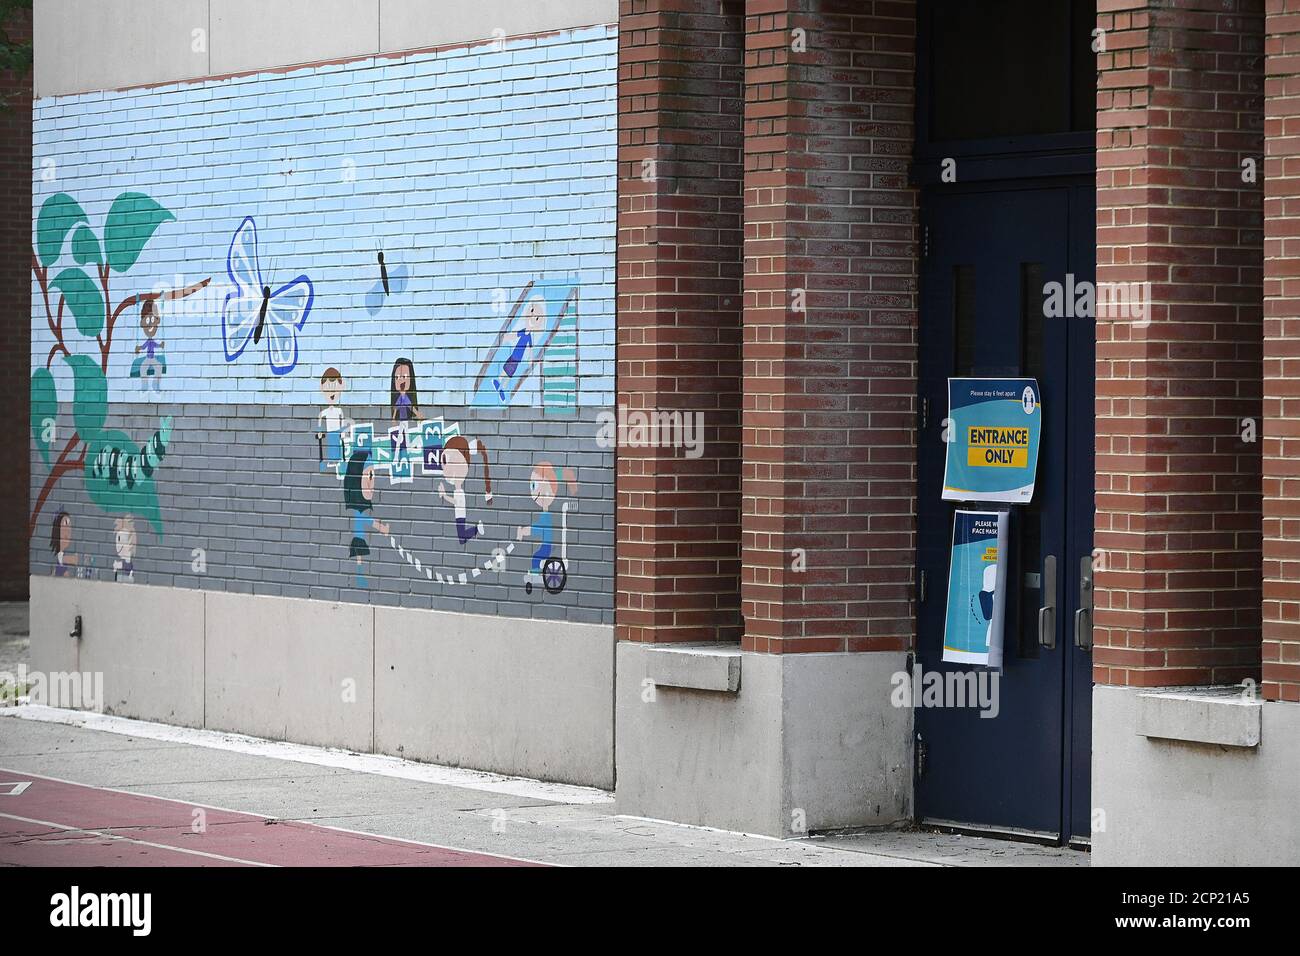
(378, 764)
(312, 824)
(64, 828)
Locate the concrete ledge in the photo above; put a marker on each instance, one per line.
(1160, 801)
(694, 666)
(823, 746)
(1211, 715)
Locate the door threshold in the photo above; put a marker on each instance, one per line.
(1015, 834)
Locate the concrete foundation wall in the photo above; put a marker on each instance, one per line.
(85, 45)
(1180, 803)
(290, 669)
(468, 690)
(809, 742)
(532, 698)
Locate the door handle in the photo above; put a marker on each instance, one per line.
(1083, 616)
(1047, 613)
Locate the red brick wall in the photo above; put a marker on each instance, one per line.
(829, 445)
(679, 300)
(1179, 106)
(1282, 354)
(15, 310)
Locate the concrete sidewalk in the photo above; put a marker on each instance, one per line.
(475, 812)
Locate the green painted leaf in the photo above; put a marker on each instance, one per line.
(85, 247)
(89, 396)
(117, 482)
(84, 299)
(45, 409)
(58, 215)
(131, 224)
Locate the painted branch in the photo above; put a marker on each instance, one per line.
(138, 299)
(62, 466)
(43, 277)
(59, 345)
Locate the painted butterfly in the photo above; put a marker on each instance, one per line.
(253, 309)
(389, 283)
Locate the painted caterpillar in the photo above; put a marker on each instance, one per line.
(123, 468)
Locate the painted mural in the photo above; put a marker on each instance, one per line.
(369, 330)
(118, 474)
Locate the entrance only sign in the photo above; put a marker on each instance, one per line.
(993, 433)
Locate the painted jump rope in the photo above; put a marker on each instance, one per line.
(437, 449)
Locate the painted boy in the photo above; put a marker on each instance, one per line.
(534, 324)
(151, 367)
(331, 421)
(124, 543)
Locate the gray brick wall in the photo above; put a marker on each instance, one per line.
(242, 483)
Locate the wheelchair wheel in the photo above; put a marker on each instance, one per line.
(554, 575)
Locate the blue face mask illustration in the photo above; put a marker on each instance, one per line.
(986, 593)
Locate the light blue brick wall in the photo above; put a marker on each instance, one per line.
(478, 170)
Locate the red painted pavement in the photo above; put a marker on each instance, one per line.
(56, 823)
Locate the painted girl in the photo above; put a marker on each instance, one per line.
(456, 456)
(359, 497)
(544, 485)
(404, 398)
(403, 395)
(61, 544)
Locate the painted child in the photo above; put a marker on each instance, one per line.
(331, 421)
(61, 545)
(404, 398)
(359, 498)
(534, 324)
(456, 456)
(151, 367)
(124, 543)
(544, 486)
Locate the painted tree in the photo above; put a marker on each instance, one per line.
(118, 472)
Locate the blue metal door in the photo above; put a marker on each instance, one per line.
(1016, 759)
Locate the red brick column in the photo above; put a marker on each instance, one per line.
(15, 314)
(679, 300)
(1281, 669)
(1179, 107)
(830, 318)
